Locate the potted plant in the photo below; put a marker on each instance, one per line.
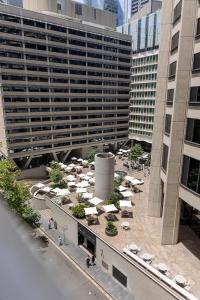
(111, 229)
(78, 211)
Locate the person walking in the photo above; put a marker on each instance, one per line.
(93, 260)
(49, 224)
(55, 224)
(87, 260)
(60, 241)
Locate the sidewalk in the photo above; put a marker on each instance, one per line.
(105, 280)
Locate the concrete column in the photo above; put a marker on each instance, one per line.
(104, 174)
(155, 190)
(172, 203)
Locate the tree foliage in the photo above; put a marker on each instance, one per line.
(56, 175)
(136, 152)
(16, 194)
(91, 155)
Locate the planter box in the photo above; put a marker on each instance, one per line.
(111, 233)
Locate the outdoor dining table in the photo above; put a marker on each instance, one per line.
(133, 247)
(125, 225)
(162, 268)
(147, 257)
(180, 280)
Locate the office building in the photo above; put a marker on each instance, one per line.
(136, 5)
(113, 6)
(145, 43)
(64, 81)
(175, 181)
(12, 2)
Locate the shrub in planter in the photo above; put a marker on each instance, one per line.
(78, 211)
(111, 229)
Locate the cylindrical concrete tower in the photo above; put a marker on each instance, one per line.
(40, 5)
(104, 174)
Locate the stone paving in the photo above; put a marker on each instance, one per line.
(112, 287)
(145, 231)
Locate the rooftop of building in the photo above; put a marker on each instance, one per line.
(145, 232)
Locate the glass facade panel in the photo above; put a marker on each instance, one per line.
(191, 173)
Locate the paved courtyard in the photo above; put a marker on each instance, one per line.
(182, 258)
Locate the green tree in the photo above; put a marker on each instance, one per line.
(56, 175)
(136, 152)
(91, 155)
(16, 194)
(8, 174)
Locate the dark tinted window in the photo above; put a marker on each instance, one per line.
(164, 157)
(119, 276)
(78, 9)
(198, 27)
(191, 173)
(196, 62)
(172, 70)
(194, 95)
(177, 12)
(168, 123)
(170, 97)
(193, 131)
(174, 43)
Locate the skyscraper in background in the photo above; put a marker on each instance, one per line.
(136, 5)
(113, 6)
(12, 2)
(144, 29)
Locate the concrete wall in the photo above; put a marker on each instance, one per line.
(34, 173)
(67, 222)
(143, 287)
(40, 5)
(139, 282)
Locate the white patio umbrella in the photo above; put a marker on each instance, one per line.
(81, 176)
(79, 167)
(63, 192)
(92, 163)
(125, 203)
(56, 190)
(90, 174)
(122, 188)
(72, 183)
(90, 211)
(110, 208)
(83, 184)
(39, 185)
(87, 177)
(129, 178)
(81, 190)
(70, 178)
(72, 165)
(127, 194)
(74, 158)
(80, 160)
(87, 195)
(91, 180)
(95, 201)
(68, 169)
(46, 189)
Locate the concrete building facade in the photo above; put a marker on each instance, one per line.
(64, 82)
(113, 6)
(174, 183)
(145, 32)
